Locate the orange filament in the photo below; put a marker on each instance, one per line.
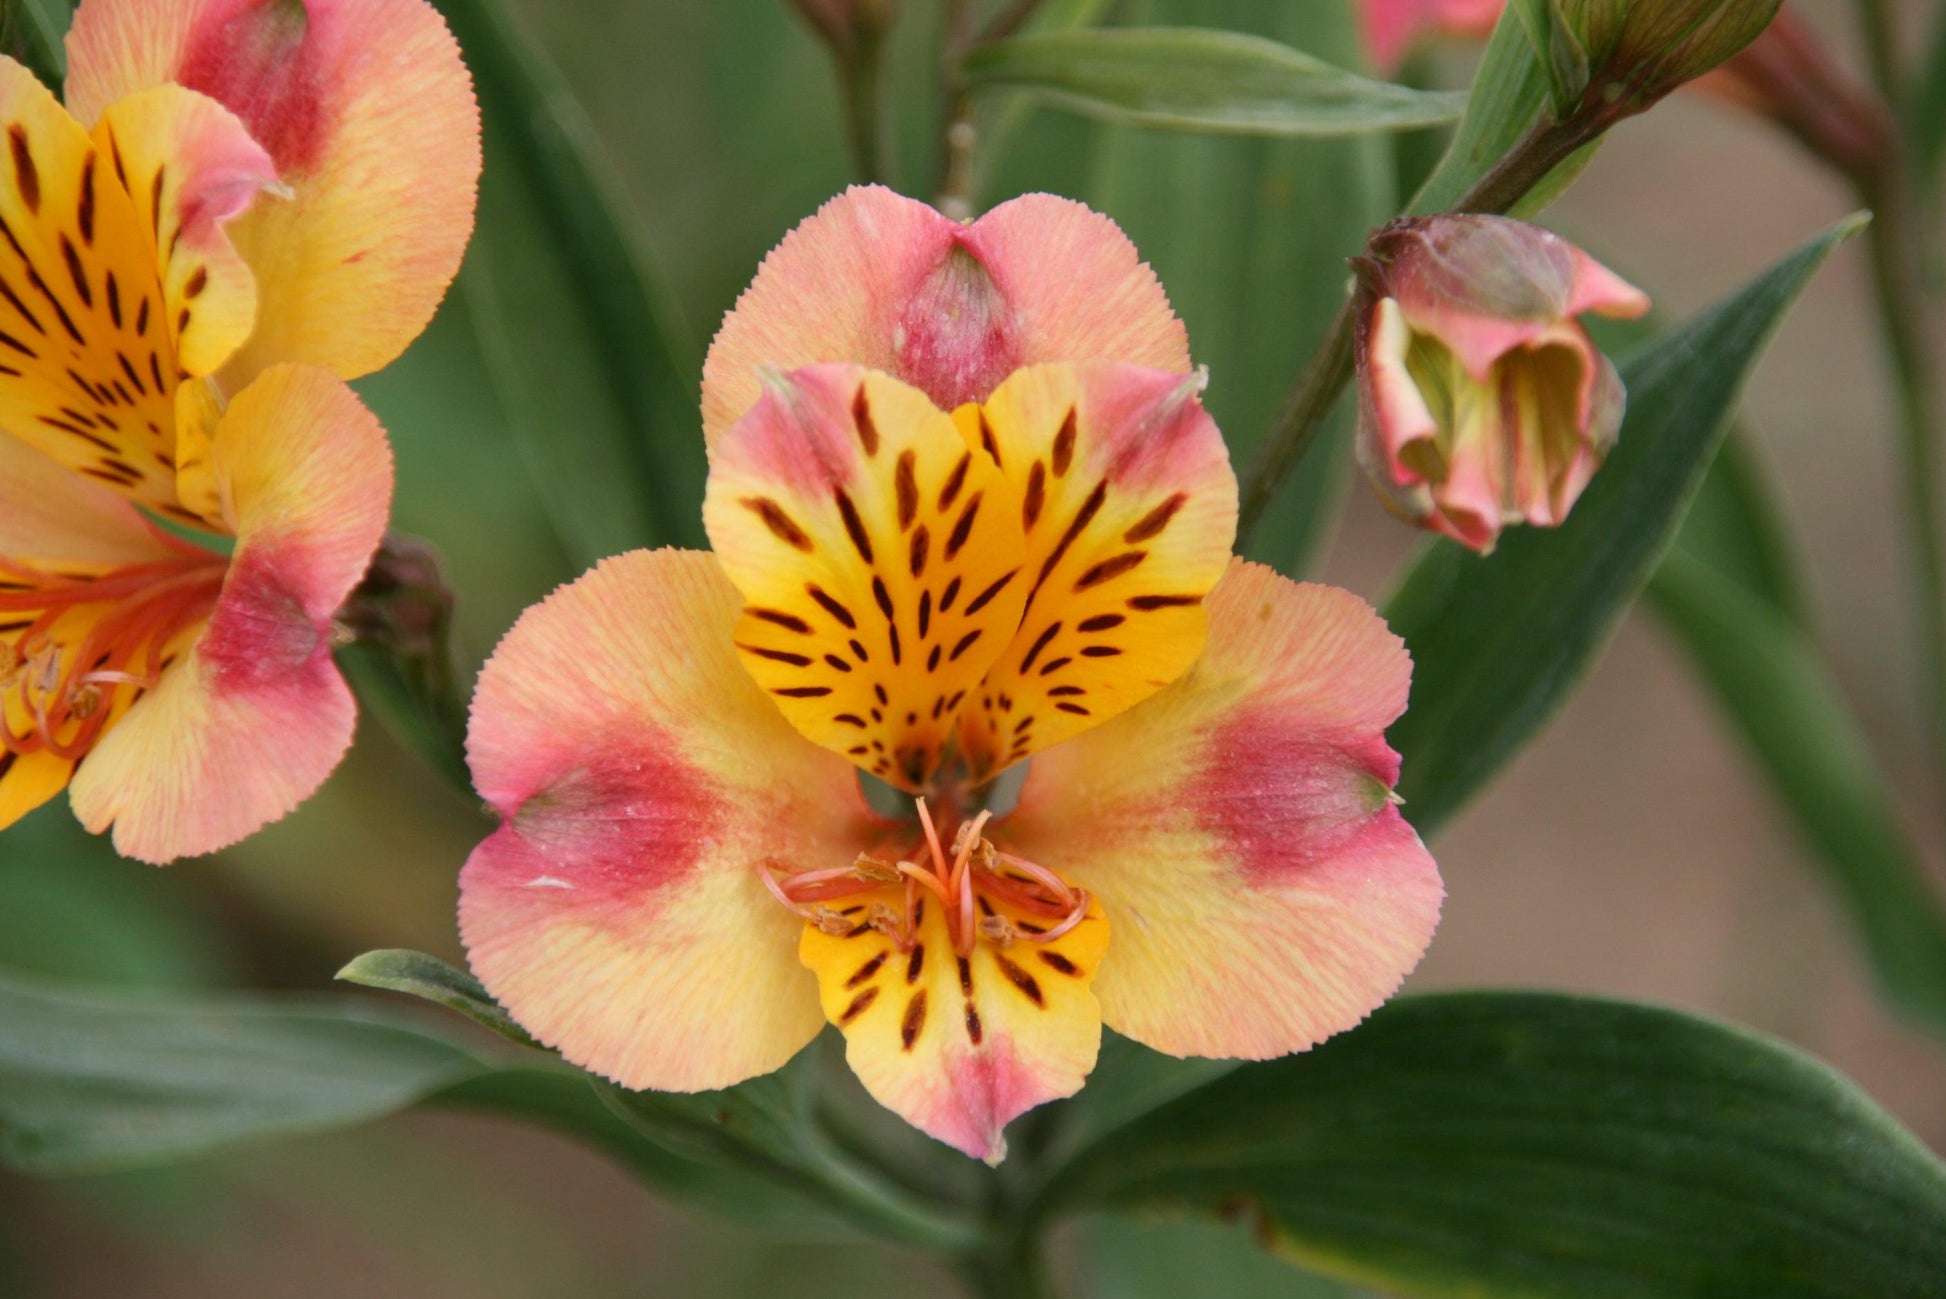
(973, 868)
(65, 691)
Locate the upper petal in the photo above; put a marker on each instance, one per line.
(254, 716)
(191, 168)
(879, 557)
(91, 349)
(643, 779)
(1129, 507)
(888, 283)
(1239, 831)
(369, 114)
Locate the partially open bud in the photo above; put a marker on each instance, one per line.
(1483, 401)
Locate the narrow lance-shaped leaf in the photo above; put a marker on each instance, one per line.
(1766, 673)
(1190, 79)
(1497, 642)
(580, 335)
(1545, 1147)
(98, 1081)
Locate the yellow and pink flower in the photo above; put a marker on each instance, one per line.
(981, 538)
(1482, 400)
(186, 280)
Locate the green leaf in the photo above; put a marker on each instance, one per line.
(1511, 95)
(580, 336)
(1766, 673)
(1733, 525)
(34, 32)
(1497, 642)
(1148, 1258)
(95, 1081)
(429, 978)
(1251, 237)
(1539, 1146)
(1557, 49)
(1189, 79)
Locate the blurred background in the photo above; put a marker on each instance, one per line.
(1632, 851)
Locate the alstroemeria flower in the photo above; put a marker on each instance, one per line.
(950, 307)
(1205, 854)
(368, 116)
(1392, 27)
(1483, 402)
(197, 685)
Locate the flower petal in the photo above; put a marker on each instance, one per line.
(190, 167)
(369, 114)
(1130, 509)
(58, 521)
(28, 780)
(254, 716)
(643, 778)
(88, 346)
(961, 1046)
(888, 283)
(1239, 832)
(879, 556)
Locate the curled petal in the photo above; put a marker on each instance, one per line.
(191, 168)
(1239, 830)
(643, 779)
(888, 283)
(369, 115)
(253, 716)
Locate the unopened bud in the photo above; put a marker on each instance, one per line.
(1483, 401)
(1620, 56)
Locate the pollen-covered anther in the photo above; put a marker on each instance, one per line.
(868, 867)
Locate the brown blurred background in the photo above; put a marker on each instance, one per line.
(1632, 851)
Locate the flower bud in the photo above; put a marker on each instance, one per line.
(1630, 53)
(1482, 400)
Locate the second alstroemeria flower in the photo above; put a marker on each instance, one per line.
(194, 680)
(1205, 854)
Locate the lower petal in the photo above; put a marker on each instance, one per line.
(960, 1046)
(27, 780)
(213, 754)
(643, 780)
(253, 716)
(1240, 832)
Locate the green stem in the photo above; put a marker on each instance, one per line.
(1898, 259)
(860, 77)
(1010, 1267)
(957, 132)
(1881, 46)
(1303, 415)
